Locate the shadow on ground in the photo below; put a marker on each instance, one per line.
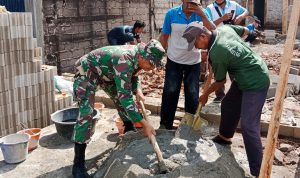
(114, 137)
(66, 172)
(54, 141)
(8, 167)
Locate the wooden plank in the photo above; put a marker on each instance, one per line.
(285, 14)
(266, 167)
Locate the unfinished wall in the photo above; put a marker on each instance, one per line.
(73, 28)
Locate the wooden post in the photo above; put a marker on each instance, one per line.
(268, 158)
(250, 6)
(285, 14)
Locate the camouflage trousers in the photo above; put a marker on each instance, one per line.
(84, 92)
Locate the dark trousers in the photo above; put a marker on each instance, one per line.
(221, 92)
(245, 106)
(113, 41)
(175, 74)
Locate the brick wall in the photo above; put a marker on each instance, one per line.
(73, 28)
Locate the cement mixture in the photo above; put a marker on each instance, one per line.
(134, 157)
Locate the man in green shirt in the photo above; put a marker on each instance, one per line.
(114, 69)
(245, 99)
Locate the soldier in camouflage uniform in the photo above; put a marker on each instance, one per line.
(115, 70)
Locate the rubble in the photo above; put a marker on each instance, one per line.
(278, 157)
(285, 147)
(183, 158)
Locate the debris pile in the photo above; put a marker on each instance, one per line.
(153, 83)
(201, 158)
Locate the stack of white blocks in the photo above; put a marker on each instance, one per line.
(27, 93)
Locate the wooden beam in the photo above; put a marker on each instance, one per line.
(285, 14)
(250, 6)
(266, 167)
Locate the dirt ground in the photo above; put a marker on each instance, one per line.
(53, 158)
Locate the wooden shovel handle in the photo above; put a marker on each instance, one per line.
(156, 148)
(152, 137)
(205, 88)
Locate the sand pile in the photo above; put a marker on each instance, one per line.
(134, 157)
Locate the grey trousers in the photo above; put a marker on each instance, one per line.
(244, 106)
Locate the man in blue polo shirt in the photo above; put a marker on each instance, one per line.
(182, 65)
(224, 12)
(126, 34)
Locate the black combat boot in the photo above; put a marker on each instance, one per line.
(79, 170)
(129, 126)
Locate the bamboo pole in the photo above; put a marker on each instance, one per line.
(266, 167)
(285, 13)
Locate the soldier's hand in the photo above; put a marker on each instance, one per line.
(227, 16)
(139, 96)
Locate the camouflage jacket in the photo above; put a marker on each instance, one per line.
(116, 65)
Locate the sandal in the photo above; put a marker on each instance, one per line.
(221, 141)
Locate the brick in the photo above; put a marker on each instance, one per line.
(294, 71)
(296, 62)
(296, 132)
(286, 131)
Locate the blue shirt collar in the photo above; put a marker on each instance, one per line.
(226, 6)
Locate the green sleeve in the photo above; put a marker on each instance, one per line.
(123, 79)
(238, 29)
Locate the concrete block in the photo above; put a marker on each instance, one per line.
(28, 18)
(26, 44)
(293, 79)
(15, 44)
(4, 20)
(37, 52)
(21, 30)
(296, 61)
(21, 19)
(13, 57)
(6, 45)
(286, 131)
(13, 19)
(14, 32)
(294, 71)
(28, 32)
(2, 60)
(271, 92)
(4, 32)
(15, 108)
(42, 88)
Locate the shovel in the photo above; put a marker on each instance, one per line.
(161, 164)
(195, 122)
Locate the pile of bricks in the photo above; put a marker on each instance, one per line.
(27, 93)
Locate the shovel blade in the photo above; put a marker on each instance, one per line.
(199, 123)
